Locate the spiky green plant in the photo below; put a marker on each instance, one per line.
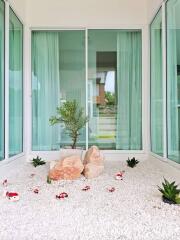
(170, 192)
(38, 161)
(132, 162)
(72, 115)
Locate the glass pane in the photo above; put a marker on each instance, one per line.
(156, 86)
(173, 79)
(15, 85)
(2, 80)
(114, 89)
(58, 75)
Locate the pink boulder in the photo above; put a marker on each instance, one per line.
(92, 171)
(93, 156)
(69, 168)
(93, 163)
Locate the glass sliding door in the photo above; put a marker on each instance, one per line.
(114, 89)
(173, 79)
(156, 86)
(2, 16)
(15, 85)
(58, 75)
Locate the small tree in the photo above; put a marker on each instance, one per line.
(73, 118)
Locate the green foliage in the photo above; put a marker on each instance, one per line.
(48, 180)
(132, 162)
(38, 161)
(73, 118)
(170, 191)
(110, 98)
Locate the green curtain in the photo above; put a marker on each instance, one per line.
(15, 85)
(129, 100)
(172, 91)
(156, 86)
(72, 76)
(45, 89)
(2, 12)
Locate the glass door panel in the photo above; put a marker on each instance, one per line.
(156, 86)
(173, 79)
(114, 89)
(2, 15)
(15, 85)
(58, 75)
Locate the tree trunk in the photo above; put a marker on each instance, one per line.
(74, 142)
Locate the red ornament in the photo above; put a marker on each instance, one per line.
(36, 191)
(32, 175)
(62, 195)
(119, 175)
(111, 189)
(5, 183)
(12, 196)
(86, 188)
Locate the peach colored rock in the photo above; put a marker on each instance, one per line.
(93, 156)
(93, 163)
(92, 170)
(69, 168)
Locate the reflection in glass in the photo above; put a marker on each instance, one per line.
(114, 89)
(2, 12)
(173, 79)
(156, 86)
(15, 85)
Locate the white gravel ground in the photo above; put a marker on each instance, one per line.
(133, 212)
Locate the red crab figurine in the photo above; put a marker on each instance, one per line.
(62, 195)
(111, 189)
(12, 196)
(86, 188)
(119, 175)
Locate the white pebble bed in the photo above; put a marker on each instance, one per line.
(134, 211)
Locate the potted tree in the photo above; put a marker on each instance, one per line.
(73, 118)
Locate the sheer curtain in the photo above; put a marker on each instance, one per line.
(45, 89)
(172, 97)
(15, 85)
(129, 100)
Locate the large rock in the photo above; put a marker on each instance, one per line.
(69, 168)
(93, 156)
(92, 170)
(93, 163)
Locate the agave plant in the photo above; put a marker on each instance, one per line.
(38, 161)
(132, 162)
(170, 192)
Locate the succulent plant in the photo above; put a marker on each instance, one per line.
(38, 161)
(132, 162)
(170, 192)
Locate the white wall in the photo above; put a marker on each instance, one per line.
(88, 13)
(152, 7)
(19, 6)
